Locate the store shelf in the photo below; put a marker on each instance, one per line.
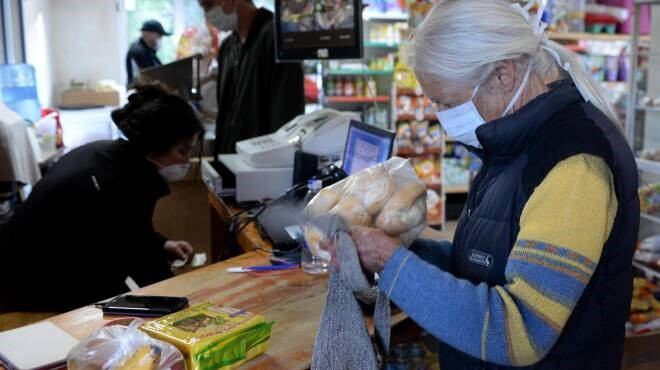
(356, 99)
(412, 117)
(381, 45)
(648, 166)
(434, 185)
(408, 92)
(650, 271)
(358, 72)
(368, 15)
(649, 109)
(458, 189)
(650, 218)
(406, 152)
(573, 36)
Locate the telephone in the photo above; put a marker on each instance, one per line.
(320, 133)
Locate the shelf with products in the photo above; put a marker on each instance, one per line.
(412, 117)
(586, 36)
(457, 189)
(423, 143)
(651, 271)
(359, 72)
(654, 219)
(381, 45)
(356, 99)
(648, 165)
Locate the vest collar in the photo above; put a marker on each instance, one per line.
(507, 137)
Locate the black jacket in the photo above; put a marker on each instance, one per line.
(256, 96)
(86, 226)
(140, 55)
(519, 150)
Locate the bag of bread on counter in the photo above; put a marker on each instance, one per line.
(120, 347)
(213, 337)
(388, 196)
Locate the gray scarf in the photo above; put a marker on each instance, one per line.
(343, 341)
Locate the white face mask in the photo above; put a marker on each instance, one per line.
(461, 122)
(175, 172)
(221, 20)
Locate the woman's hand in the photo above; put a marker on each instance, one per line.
(374, 247)
(178, 249)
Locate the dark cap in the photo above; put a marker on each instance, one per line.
(153, 25)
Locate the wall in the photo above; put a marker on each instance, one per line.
(86, 41)
(78, 40)
(38, 19)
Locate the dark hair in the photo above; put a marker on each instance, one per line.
(155, 120)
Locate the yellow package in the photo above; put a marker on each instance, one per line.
(213, 337)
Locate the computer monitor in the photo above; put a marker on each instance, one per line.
(182, 75)
(318, 29)
(366, 146)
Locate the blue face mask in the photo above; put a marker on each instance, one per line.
(461, 122)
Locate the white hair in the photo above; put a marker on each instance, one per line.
(461, 40)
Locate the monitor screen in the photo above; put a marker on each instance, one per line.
(318, 29)
(366, 146)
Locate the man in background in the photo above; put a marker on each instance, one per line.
(142, 53)
(256, 95)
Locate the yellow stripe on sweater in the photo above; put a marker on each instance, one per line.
(519, 341)
(573, 207)
(552, 312)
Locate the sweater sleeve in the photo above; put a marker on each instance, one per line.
(563, 228)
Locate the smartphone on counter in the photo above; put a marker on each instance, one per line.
(136, 305)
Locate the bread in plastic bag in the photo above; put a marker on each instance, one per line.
(120, 347)
(388, 196)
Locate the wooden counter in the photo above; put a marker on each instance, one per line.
(293, 299)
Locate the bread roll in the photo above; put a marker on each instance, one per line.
(323, 202)
(404, 211)
(377, 194)
(352, 210)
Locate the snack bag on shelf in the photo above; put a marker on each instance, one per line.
(389, 196)
(120, 347)
(649, 198)
(212, 336)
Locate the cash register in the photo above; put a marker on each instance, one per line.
(263, 167)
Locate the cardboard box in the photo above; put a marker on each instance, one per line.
(88, 99)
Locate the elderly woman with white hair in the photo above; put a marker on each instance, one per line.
(539, 272)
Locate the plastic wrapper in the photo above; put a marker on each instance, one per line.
(120, 347)
(212, 336)
(388, 196)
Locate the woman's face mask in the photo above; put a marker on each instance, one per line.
(174, 165)
(175, 172)
(461, 122)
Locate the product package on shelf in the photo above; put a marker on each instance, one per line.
(644, 308)
(212, 336)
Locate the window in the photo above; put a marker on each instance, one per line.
(174, 15)
(12, 48)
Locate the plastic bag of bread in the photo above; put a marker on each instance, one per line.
(388, 196)
(120, 347)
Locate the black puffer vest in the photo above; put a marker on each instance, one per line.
(518, 152)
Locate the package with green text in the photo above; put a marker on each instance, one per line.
(213, 337)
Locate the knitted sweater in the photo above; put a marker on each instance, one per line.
(563, 228)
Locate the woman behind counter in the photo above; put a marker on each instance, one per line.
(539, 273)
(88, 223)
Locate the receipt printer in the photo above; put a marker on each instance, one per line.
(263, 166)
